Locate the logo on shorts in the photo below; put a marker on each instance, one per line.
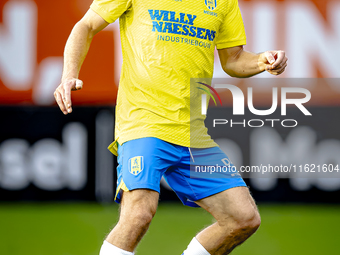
(211, 4)
(136, 165)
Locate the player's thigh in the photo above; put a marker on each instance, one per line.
(138, 204)
(235, 203)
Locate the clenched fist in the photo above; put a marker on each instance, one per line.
(274, 62)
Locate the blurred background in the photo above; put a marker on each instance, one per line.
(57, 178)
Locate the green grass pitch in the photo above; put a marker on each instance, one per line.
(78, 229)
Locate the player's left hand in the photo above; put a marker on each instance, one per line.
(274, 62)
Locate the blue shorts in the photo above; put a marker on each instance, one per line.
(192, 173)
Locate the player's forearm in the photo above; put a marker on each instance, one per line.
(244, 64)
(76, 50)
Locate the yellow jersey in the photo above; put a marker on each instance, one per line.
(165, 43)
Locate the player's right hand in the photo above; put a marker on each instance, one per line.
(62, 94)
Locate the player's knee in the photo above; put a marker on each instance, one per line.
(247, 221)
(140, 216)
(138, 208)
(254, 222)
(138, 219)
(144, 217)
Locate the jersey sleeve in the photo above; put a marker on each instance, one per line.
(110, 10)
(231, 31)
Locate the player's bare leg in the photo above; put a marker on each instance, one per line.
(237, 219)
(137, 210)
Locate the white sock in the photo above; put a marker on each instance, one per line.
(195, 248)
(110, 249)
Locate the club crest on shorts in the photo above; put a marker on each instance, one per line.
(136, 165)
(211, 4)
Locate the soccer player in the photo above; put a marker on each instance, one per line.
(164, 44)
